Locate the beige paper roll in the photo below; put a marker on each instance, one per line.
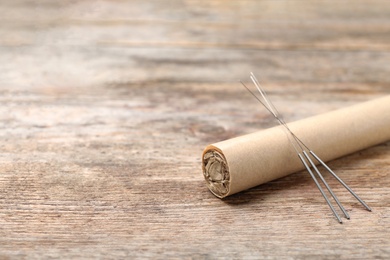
(243, 162)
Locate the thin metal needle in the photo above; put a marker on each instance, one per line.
(300, 156)
(299, 141)
(273, 110)
(332, 172)
(263, 94)
(253, 94)
(341, 181)
(316, 182)
(319, 187)
(326, 185)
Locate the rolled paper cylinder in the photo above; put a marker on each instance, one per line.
(244, 162)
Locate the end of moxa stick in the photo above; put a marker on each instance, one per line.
(216, 172)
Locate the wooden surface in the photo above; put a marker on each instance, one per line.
(106, 107)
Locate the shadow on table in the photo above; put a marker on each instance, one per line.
(262, 192)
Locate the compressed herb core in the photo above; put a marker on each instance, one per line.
(216, 173)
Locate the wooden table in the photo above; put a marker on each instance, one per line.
(106, 107)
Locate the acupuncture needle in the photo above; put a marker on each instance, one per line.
(280, 119)
(272, 109)
(300, 157)
(264, 95)
(276, 114)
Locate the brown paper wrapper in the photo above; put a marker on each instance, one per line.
(243, 162)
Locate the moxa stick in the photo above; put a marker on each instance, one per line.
(244, 162)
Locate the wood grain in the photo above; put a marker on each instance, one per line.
(106, 107)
